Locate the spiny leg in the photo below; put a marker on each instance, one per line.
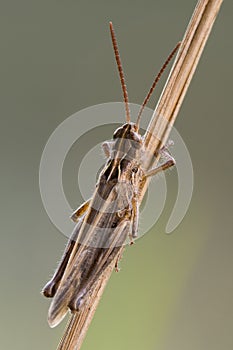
(80, 211)
(51, 287)
(167, 164)
(119, 257)
(135, 218)
(106, 148)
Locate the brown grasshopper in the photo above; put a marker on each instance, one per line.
(110, 217)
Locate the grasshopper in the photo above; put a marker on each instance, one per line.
(110, 217)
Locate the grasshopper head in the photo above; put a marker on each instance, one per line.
(127, 131)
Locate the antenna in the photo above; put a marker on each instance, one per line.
(155, 83)
(121, 73)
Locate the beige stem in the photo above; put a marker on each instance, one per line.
(156, 135)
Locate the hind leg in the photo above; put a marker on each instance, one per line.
(51, 287)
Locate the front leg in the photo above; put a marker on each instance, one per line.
(107, 147)
(167, 164)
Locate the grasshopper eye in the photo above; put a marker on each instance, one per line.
(119, 133)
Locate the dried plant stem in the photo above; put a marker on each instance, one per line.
(182, 72)
(81, 320)
(156, 135)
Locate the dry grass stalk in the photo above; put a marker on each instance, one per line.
(157, 133)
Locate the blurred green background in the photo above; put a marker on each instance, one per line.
(173, 291)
